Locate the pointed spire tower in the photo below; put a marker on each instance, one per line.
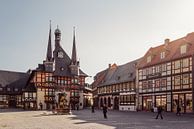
(74, 53)
(48, 63)
(74, 63)
(49, 47)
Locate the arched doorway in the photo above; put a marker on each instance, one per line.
(116, 103)
(109, 102)
(105, 101)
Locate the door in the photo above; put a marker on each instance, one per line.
(12, 102)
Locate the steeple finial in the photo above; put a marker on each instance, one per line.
(49, 47)
(74, 53)
(50, 23)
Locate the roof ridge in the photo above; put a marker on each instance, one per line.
(13, 71)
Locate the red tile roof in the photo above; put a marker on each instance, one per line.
(171, 49)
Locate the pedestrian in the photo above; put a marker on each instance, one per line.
(159, 112)
(40, 104)
(178, 110)
(77, 106)
(92, 108)
(105, 111)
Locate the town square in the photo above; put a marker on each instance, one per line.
(84, 119)
(97, 64)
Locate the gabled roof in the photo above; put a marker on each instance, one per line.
(99, 78)
(117, 74)
(13, 79)
(171, 49)
(63, 62)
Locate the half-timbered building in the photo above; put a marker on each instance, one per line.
(57, 77)
(165, 76)
(116, 87)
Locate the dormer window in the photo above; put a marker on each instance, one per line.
(183, 49)
(162, 55)
(149, 59)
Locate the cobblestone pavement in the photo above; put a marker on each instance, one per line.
(84, 119)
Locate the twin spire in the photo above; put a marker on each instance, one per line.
(74, 54)
(49, 48)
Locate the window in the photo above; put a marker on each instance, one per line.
(149, 84)
(157, 69)
(186, 62)
(157, 83)
(177, 80)
(163, 82)
(76, 81)
(60, 54)
(163, 67)
(183, 49)
(127, 99)
(186, 79)
(8, 89)
(1, 88)
(145, 85)
(177, 64)
(148, 59)
(162, 55)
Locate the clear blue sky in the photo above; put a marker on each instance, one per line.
(107, 31)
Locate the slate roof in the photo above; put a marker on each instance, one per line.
(117, 74)
(10, 79)
(62, 62)
(172, 50)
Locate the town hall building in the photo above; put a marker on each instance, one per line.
(59, 76)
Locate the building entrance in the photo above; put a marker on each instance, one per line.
(12, 102)
(147, 103)
(184, 101)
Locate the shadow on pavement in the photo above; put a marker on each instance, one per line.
(134, 120)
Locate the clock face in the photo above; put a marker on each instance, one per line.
(60, 54)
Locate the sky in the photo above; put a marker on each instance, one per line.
(107, 31)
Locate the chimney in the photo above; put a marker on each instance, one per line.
(109, 65)
(166, 41)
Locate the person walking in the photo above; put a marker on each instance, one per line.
(40, 104)
(105, 111)
(159, 112)
(178, 110)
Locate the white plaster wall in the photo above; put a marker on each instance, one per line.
(127, 108)
(40, 98)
